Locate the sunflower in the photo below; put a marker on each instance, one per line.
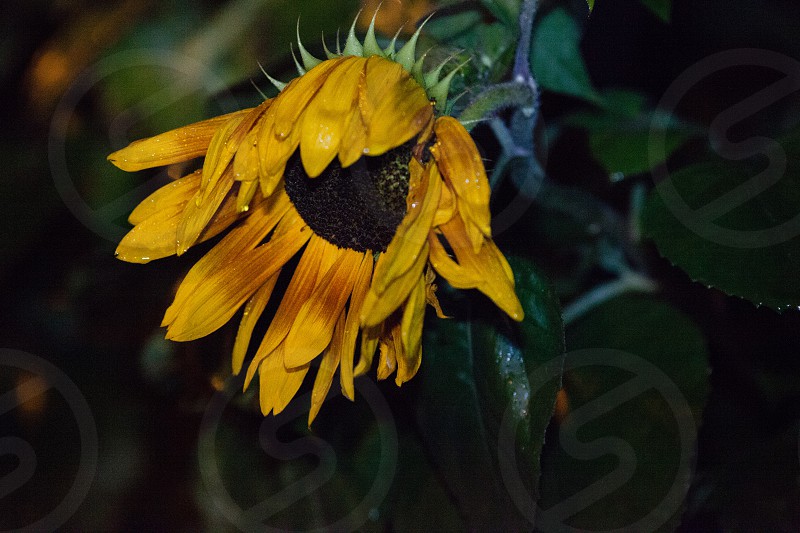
(353, 168)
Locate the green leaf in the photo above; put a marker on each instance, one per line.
(556, 57)
(733, 226)
(506, 11)
(662, 8)
(620, 130)
(591, 4)
(635, 385)
(477, 402)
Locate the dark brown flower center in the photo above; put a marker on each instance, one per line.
(358, 207)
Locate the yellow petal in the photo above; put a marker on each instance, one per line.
(395, 107)
(354, 138)
(411, 334)
(247, 191)
(328, 115)
(352, 326)
(252, 312)
(174, 146)
(196, 216)
(175, 192)
(245, 237)
(224, 145)
(378, 306)
(220, 295)
(155, 237)
(277, 384)
(446, 208)
(313, 328)
(274, 152)
(390, 347)
(295, 97)
(460, 164)
(314, 263)
(246, 162)
(327, 367)
(397, 270)
(369, 343)
(488, 271)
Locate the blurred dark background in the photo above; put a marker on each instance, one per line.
(79, 79)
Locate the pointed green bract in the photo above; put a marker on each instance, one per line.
(405, 57)
(309, 61)
(353, 47)
(436, 88)
(371, 47)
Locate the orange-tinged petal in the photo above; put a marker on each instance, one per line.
(174, 146)
(352, 325)
(173, 193)
(313, 328)
(390, 348)
(242, 238)
(314, 263)
(328, 115)
(220, 295)
(252, 312)
(488, 266)
(327, 367)
(460, 164)
(411, 334)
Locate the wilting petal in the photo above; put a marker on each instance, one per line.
(395, 107)
(327, 367)
(411, 334)
(398, 269)
(243, 238)
(252, 312)
(296, 96)
(174, 146)
(488, 271)
(223, 147)
(278, 385)
(171, 194)
(315, 262)
(460, 164)
(328, 115)
(221, 294)
(313, 327)
(360, 288)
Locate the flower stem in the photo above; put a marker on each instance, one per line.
(522, 61)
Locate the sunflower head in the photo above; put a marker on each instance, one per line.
(352, 168)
